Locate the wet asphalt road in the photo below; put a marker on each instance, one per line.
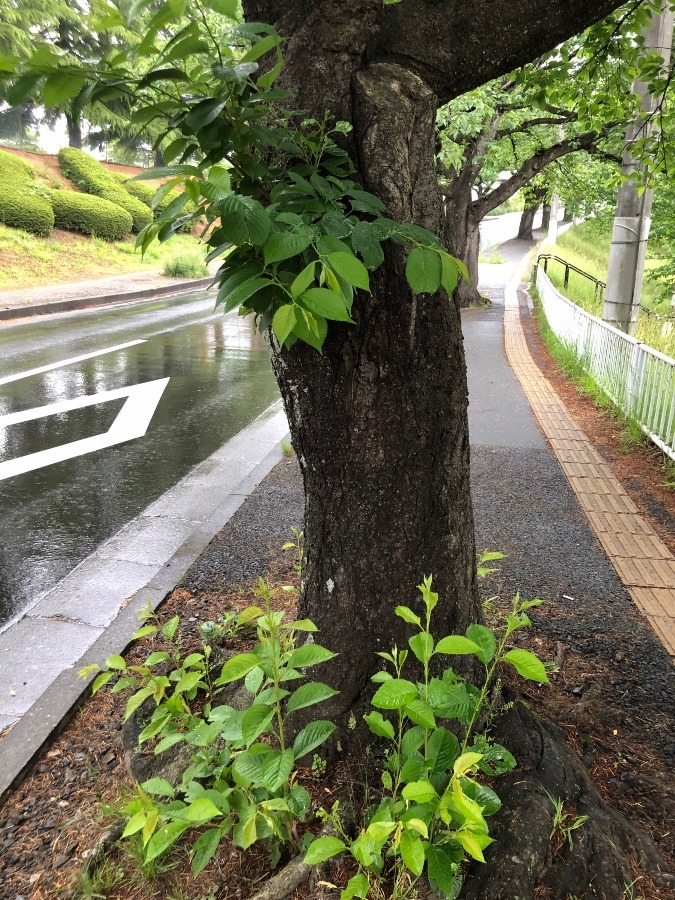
(53, 516)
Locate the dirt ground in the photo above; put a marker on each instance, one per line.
(52, 822)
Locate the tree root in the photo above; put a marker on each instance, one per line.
(530, 852)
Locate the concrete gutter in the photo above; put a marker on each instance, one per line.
(93, 611)
(75, 303)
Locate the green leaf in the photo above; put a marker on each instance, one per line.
(227, 8)
(328, 304)
(187, 682)
(276, 768)
(244, 219)
(308, 695)
(466, 762)
(323, 848)
(347, 266)
(284, 245)
(527, 665)
(303, 280)
(284, 321)
(365, 241)
(135, 823)
(442, 751)
(204, 848)
(100, 680)
(412, 852)
(201, 810)
(379, 725)
(422, 645)
(61, 87)
(405, 613)
(394, 694)
(423, 270)
(449, 273)
(255, 721)
(243, 292)
(441, 869)
(357, 886)
(419, 792)
(420, 713)
(485, 639)
(312, 736)
(456, 645)
(473, 843)
(158, 787)
(309, 655)
(164, 838)
(116, 662)
(237, 667)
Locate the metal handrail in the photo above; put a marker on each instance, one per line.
(599, 285)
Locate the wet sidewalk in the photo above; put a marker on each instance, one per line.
(21, 302)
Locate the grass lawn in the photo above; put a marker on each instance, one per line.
(587, 247)
(30, 261)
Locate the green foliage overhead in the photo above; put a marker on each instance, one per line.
(89, 175)
(90, 215)
(277, 190)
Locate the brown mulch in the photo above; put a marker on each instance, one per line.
(52, 822)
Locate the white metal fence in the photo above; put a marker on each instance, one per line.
(639, 379)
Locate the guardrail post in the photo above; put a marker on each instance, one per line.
(567, 275)
(634, 380)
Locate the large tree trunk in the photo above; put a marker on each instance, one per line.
(379, 421)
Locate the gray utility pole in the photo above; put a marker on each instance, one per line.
(633, 209)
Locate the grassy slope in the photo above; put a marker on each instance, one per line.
(30, 261)
(587, 246)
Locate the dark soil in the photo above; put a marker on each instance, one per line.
(614, 693)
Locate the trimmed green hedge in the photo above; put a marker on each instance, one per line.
(21, 205)
(90, 176)
(19, 208)
(12, 166)
(90, 215)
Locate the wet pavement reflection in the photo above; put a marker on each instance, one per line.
(53, 517)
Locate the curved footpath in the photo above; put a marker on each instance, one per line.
(531, 501)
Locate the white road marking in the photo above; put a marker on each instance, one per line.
(131, 422)
(67, 362)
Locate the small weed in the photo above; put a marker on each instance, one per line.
(99, 881)
(491, 258)
(185, 265)
(287, 447)
(563, 824)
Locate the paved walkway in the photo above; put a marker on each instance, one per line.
(642, 561)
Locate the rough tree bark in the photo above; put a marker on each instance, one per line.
(379, 421)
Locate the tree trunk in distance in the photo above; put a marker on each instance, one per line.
(74, 127)
(533, 200)
(545, 216)
(159, 158)
(526, 223)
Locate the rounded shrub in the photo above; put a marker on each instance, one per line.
(90, 215)
(89, 176)
(20, 208)
(12, 166)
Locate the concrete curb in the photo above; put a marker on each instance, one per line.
(248, 457)
(41, 309)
